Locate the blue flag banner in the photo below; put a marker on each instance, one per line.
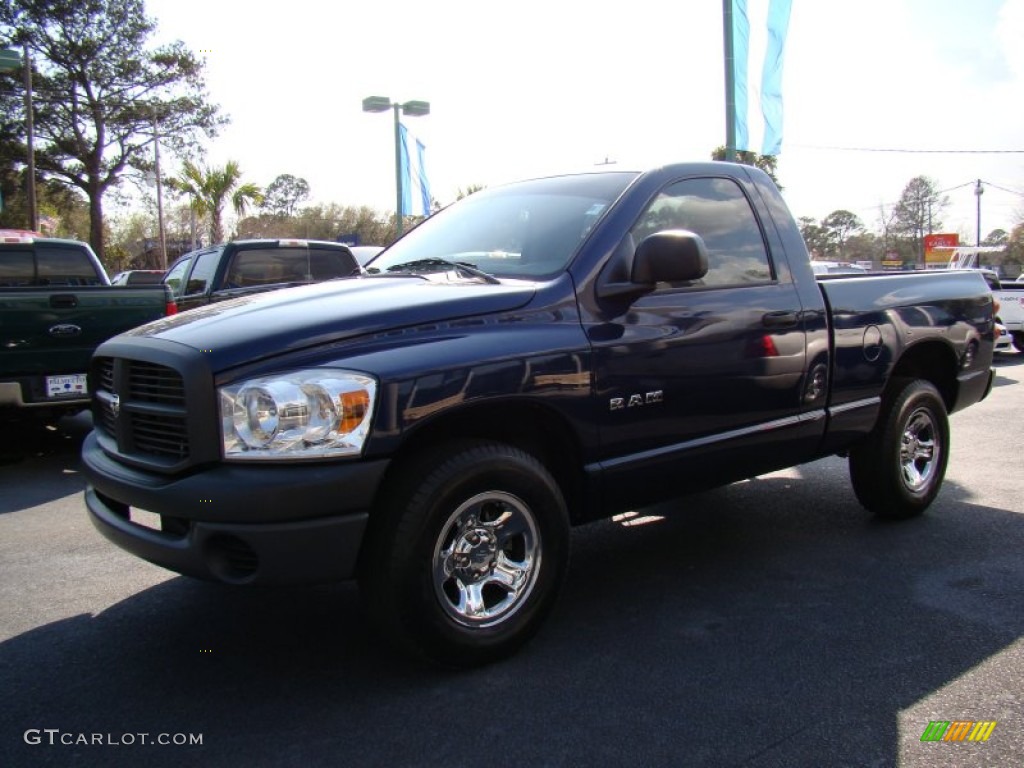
(759, 33)
(415, 186)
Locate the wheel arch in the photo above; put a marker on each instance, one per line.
(535, 428)
(933, 361)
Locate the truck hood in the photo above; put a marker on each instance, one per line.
(252, 327)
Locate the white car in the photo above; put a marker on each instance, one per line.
(138, 277)
(1004, 342)
(837, 268)
(1010, 309)
(364, 253)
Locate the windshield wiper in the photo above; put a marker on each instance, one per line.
(460, 266)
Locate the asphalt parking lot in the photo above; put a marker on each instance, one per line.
(769, 623)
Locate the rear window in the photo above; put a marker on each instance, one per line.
(144, 278)
(17, 267)
(993, 281)
(270, 265)
(47, 264)
(328, 263)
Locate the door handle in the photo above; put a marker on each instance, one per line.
(780, 319)
(63, 301)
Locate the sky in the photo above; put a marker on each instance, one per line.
(537, 87)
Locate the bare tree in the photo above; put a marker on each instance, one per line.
(814, 236)
(284, 194)
(838, 226)
(917, 213)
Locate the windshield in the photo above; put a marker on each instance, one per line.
(526, 230)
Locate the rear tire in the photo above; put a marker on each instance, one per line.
(898, 469)
(466, 556)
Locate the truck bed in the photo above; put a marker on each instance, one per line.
(879, 318)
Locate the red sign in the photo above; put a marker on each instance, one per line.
(939, 247)
(941, 241)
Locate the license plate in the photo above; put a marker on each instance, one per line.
(148, 520)
(66, 386)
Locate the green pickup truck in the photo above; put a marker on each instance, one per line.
(56, 307)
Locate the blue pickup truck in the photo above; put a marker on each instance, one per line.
(534, 357)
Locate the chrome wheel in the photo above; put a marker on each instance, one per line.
(486, 559)
(897, 469)
(919, 450)
(452, 568)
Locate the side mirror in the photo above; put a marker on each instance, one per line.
(670, 256)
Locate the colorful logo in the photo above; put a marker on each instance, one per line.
(958, 730)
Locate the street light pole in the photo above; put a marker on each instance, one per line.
(412, 109)
(398, 170)
(730, 83)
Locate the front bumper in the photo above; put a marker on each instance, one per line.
(239, 524)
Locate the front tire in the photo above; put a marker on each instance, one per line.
(1018, 340)
(898, 469)
(466, 555)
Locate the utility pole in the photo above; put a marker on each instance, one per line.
(33, 217)
(978, 192)
(159, 192)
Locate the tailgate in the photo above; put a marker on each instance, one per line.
(1011, 301)
(46, 332)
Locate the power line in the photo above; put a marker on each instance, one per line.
(913, 151)
(1003, 189)
(958, 186)
(882, 206)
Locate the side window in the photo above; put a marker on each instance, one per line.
(176, 274)
(718, 211)
(202, 272)
(328, 263)
(63, 265)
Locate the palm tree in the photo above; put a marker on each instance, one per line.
(209, 190)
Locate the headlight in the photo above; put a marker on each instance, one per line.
(297, 415)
